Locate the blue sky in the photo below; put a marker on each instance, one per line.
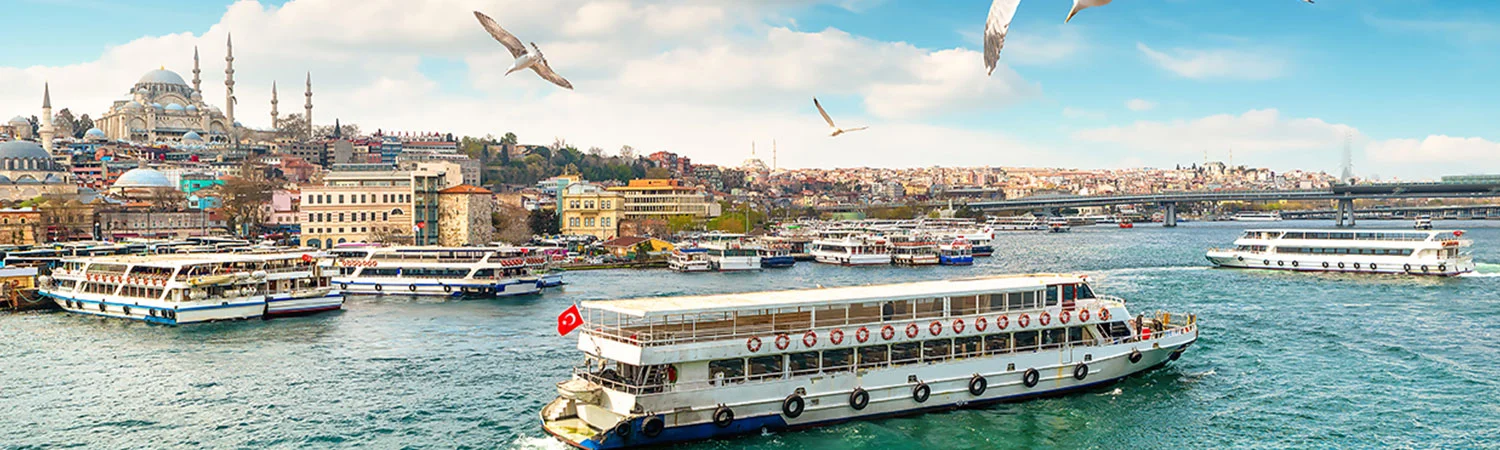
(1278, 81)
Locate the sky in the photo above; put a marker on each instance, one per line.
(1409, 85)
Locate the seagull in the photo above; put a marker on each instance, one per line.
(833, 130)
(998, 24)
(524, 59)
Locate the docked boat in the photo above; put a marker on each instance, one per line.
(660, 371)
(1256, 217)
(1058, 225)
(1023, 223)
(852, 250)
(689, 259)
(1437, 252)
(439, 271)
(188, 288)
(776, 256)
(914, 253)
(1126, 223)
(1424, 222)
(956, 253)
(732, 256)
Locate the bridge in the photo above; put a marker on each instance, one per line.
(1456, 212)
(1344, 195)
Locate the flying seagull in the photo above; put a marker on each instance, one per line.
(524, 60)
(998, 24)
(833, 130)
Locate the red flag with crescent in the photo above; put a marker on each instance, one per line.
(568, 321)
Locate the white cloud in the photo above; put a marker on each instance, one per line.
(701, 78)
(1216, 63)
(1262, 130)
(1036, 48)
(1137, 104)
(1436, 155)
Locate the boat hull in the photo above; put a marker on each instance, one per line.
(435, 288)
(777, 262)
(853, 260)
(956, 260)
(290, 306)
(982, 250)
(242, 309)
(1309, 263)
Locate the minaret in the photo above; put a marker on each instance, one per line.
(308, 105)
(47, 129)
(273, 105)
(197, 82)
(229, 81)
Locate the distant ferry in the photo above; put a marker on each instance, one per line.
(732, 256)
(1257, 217)
(776, 255)
(439, 271)
(1058, 225)
(1365, 251)
(689, 259)
(852, 251)
(1424, 222)
(956, 253)
(187, 288)
(1024, 223)
(661, 371)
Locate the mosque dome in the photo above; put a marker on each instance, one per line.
(22, 150)
(173, 107)
(156, 106)
(162, 76)
(142, 178)
(94, 134)
(192, 136)
(143, 92)
(192, 109)
(19, 120)
(133, 106)
(5, 179)
(197, 97)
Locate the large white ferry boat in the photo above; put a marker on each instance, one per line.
(186, 288)
(689, 259)
(659, 371)
(439, 271)
(914, 252)
(1256, 217)
(733, 256)
(1438, 252)
(855, 250)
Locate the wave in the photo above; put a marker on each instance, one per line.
(1486, 268)
(1477, 274)
(541, 443)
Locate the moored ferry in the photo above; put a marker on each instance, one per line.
(914, 253)
(186, 288)
(1256, 217)
(1437, 252)
(659, 371)
(732, 256)
(956, 253)
(439, 271)
(689, 259)
(852, 251)
(776, 256)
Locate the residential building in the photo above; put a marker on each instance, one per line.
(365, 206)
(663, 198)
(589, 209)
(465, 214)
(20, 226)
(461, 166)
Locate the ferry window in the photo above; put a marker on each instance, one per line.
(997, 343)
(1075, 334)
(829, 316)
(966, 346)
(1053, 336)
(897, 310)
(1068, 292)
(963, 306)
(992, 303)
(929, 308)
(803, 363)
(1030, 299)
(865, 313)
(936, 350)
(1051, 296)
(873, 356)
(1026, 340)
(727, 369)
(838, 360)
(905, 352)
(1085, 292)
(765, 366)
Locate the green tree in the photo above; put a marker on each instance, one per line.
(678, 224)
(242, 195)
(543, 222)
(643, 250)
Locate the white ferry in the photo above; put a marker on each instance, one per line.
(852, 251)
(957, 253)
(659, 371)
(439, 271)
(1367, 251)
(689, 259)
(1256, 217)
(1058, 225)
(732, 256)
(187, 288)
(1424, 222)
(914, 253)
(1020, 223)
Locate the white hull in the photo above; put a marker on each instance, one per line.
(438, 287)
(735, 263)
(160, 312)
(304, 305)
(1360, 264)
(845, 259)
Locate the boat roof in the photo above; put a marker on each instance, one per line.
(695, 304)
(191, 258)
(1346, 230)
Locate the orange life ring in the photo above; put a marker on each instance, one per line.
(1083, 315)
(887, 333)
(1023, 321)
(753, 344)
(862, 335)
(911, 330)
(1103, 313)
(980, 324)
(958, 326)
(936, 328)
(1064, 317)
(782, 341)
(1002, 322)
(809, 339)
(1044, 318)
(836, 337)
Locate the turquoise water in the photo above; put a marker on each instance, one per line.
(1285, 360)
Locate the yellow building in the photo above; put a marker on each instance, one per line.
(395, 206)
(661, 199)
(590, 210)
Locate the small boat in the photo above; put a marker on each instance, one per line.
(1058, 225)
(1256, 217)
(852, 251)
(1424, 222)
(1126, 223)
(776, 256)
(956, 253)
(657, 372)
(689, 259)
(914, 253)
(1434, 252)
(732, 256)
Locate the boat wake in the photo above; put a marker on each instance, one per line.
(1113, 393)
(1484, 270)
(539, 443)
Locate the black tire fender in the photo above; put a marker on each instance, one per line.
(921, 392)
(977, 385)
(723, 417)
(1031, 378)
(792, 406)
(859, 399)
(1081, 371)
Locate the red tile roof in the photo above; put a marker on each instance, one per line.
(465, 189)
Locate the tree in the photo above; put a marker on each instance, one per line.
(680, 223)
(243, 195)
(292, 126)
(167, 200)
(627, 152)
(543, 222)
(510, 223)
(65, 125)
(508, 139)
(596, 151)
(83, 126)
(643, 250)
(388, 235)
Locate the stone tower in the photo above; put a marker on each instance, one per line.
(197, 82)
(308, 106)
(47, 129)
(273, 105)
(229, 81)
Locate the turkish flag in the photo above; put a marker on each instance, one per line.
(568, 321)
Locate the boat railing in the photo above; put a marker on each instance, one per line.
(733, 328)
